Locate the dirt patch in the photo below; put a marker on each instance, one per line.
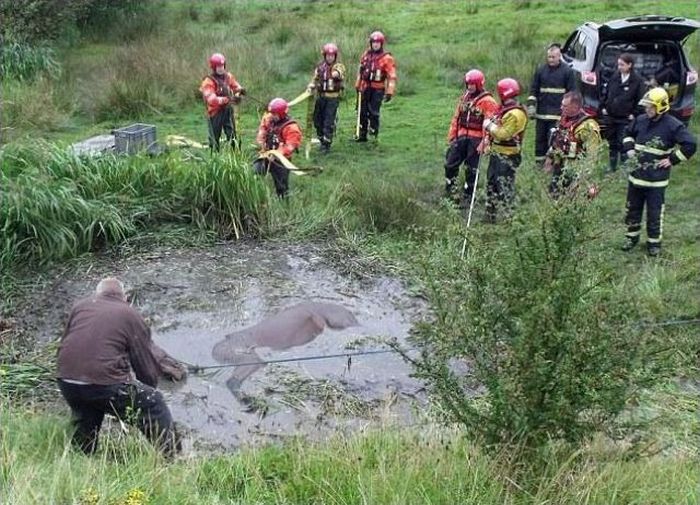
(194, 298)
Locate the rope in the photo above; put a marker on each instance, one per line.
(198, 368)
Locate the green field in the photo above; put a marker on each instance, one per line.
(379, 204)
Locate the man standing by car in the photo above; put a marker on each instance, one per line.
(105, 341)
(549, 84)
(575, 138)
(650, 141)
(623, 93)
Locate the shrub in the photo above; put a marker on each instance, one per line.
(532, 338)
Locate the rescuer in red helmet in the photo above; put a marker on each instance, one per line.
(328, 82)
(219, 90)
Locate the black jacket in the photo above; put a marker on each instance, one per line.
(548, 87)
(620, 99)
(654, 140)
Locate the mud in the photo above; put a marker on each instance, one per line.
(195, 299)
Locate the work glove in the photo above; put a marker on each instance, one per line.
(310, 88)
(223, 100)
(242, 91)
(235, 99)
(531, 111)
(387, 98)
(489, 124)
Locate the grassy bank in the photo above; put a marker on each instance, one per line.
(385, 466)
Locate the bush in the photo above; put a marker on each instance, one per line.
(532, 337)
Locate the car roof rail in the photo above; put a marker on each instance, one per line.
(653, 17)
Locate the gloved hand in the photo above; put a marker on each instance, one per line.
(489, 124)
(335, 74)
(235, 99)
(483, 146)
(531, 111)
(631, 153)
(242, 91)
(224, 100)
(387, 98)
(310, 88)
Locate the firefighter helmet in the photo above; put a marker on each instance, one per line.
(507, 88)
(377, 37)
(658, 98)
(278, 106)
(217, 60)
(329, 48)
(475, 77)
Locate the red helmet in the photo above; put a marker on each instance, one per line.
(475, 77)
(329, 48)
(507, 88)
(377, 37)
(216, 60)
(278, 106)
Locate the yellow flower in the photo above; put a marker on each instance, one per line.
(89, 497)
(136, 497)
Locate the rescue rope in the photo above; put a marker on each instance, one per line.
(198, 368)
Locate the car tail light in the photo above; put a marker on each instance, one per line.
(691, 77)
(589, 78)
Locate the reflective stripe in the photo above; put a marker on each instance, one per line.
(627, 139)
(532, 98)
(540, 158)
(680, 155)
(632, 234)
(647, 184)
(548, 117)
(553, 90)
(661, 222)
(653, 240)
(651, 150)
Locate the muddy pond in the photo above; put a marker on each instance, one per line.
(195, 298)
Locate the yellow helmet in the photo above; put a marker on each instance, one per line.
(658, 98)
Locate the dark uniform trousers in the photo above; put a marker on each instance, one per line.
(280, 175)
(325, 111)
(369, 111)
(461, 150)
(133, 403)
(500, 183)
(654, 198)
(543, 130)
(615, 132)
(222, 121)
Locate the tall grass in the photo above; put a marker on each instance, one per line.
(384, 466)
(23, 61)
(57, 204)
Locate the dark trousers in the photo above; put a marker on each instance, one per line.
(461, 150)
(134, 403)
(369, 111)
(223, 121)
(325, 111)
(280, 175)
(500, 185)
(542, 131)
(614, 134)
(654, 198)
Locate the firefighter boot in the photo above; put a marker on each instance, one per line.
(653, 249)
(630, 243)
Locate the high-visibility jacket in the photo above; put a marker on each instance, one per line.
(284, 135)
(323, 81)
(549, 84)
(216, 86)
(654, 139)
(468, 119)
(507, 129)
(574, 137)
(377, 71)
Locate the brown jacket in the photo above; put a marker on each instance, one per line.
(105, 339)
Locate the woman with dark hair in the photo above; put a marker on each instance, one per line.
(624, 91)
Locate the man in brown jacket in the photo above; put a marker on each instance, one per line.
(104, 342)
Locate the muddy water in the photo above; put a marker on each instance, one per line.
(193, 299)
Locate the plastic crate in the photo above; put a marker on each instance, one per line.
(134, 138)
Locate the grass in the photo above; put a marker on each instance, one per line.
(376, 206)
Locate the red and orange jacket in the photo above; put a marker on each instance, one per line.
(283, 135)
(217, 92)
(377, 71)
(470, 113)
